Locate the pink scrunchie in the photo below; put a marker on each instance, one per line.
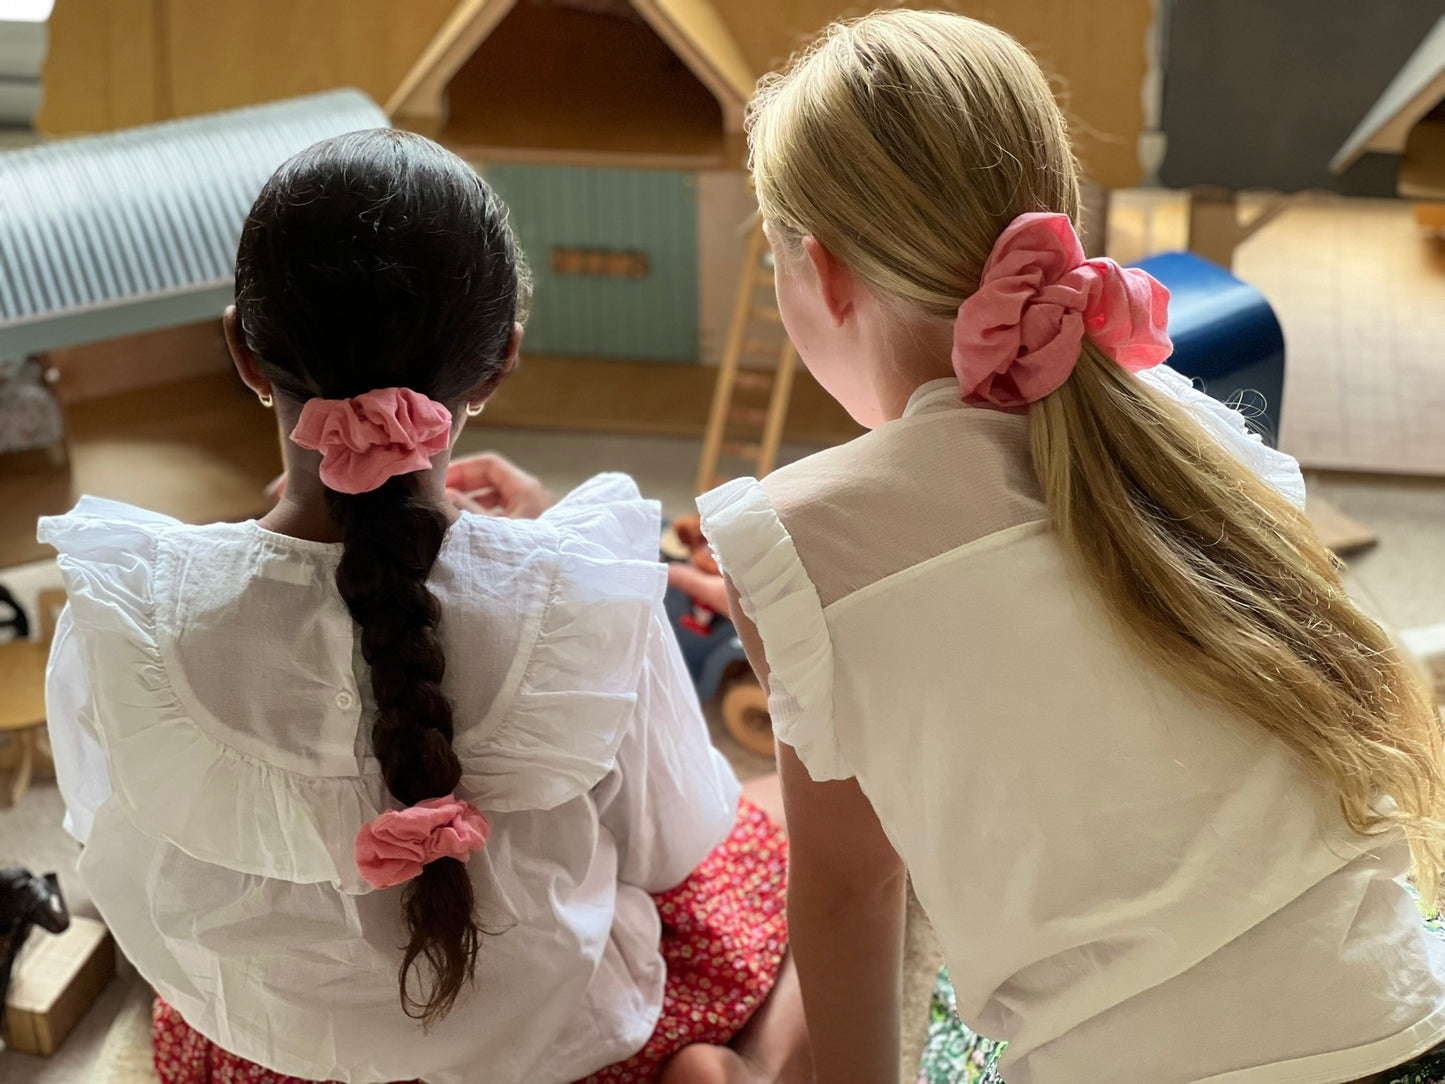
(393, 847)
(1018, 337)
(373, 437)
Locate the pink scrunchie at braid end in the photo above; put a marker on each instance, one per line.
(1018, 337)
(393, 847)
(374, 436)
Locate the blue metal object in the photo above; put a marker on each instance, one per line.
(129, 231)
(1225, 336)
(709, 656)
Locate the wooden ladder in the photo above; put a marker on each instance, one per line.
(740, 426)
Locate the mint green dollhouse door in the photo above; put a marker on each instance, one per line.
(614, 258)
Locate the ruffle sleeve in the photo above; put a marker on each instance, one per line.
(1231, 429)
(574, 699)
(172, 778)
(757, 554)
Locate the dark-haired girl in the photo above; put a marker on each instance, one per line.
(373, 789)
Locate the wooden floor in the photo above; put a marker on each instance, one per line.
(201, 450)
(644, 398)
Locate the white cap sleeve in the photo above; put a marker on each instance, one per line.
(757, 554)
(609, 512)
(80, 765)
(174, 780)
(561, 729)
(1231, 429)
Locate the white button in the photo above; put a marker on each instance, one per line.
(344, 700)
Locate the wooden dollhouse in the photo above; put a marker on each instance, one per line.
(1408, 120)
(614, 128)
(610, 127)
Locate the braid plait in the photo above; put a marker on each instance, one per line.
(377, 260)
(392, 537)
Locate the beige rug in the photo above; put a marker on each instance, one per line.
(1360, 294)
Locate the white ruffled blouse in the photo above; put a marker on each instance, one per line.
(209, 713)
(1128, 882)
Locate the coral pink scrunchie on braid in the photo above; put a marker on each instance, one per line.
(373, 437)
(1018, 337)
(393, 847)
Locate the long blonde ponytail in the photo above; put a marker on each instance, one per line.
(905, 142)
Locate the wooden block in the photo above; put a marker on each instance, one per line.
(22, 684)
(1339, 532)
(57, 978)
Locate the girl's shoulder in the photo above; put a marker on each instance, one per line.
(904, 493)
(605, 518)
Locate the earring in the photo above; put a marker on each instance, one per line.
(473, 411)
(266, 400)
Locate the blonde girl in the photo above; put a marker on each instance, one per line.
(1054, 637)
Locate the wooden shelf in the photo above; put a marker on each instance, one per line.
(597, 90)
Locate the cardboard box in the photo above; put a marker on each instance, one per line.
(56, 980)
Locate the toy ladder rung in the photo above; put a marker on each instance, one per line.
(753, 380)
(768, 313)
(742, 449)
(746, 416)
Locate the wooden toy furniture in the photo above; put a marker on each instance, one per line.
(613, 128)
(743, 430)
(567, 106)
(22, 694)
(661, 83)
(1409, 120)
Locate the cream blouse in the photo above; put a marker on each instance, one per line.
(209, 712)
(1129, 882)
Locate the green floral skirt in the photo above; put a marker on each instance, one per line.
(955, 1055)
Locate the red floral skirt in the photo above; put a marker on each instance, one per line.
(724, 935)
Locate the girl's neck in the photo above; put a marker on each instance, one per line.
(909, 354)
(302, 511)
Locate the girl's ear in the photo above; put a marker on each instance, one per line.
(479, 395)
(514, 348)
(241, 355)
(836, 284)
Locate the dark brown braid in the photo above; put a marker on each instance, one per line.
(375, 260)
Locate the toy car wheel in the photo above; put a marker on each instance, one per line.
(745, 713)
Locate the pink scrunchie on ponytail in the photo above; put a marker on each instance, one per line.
(393, 847)
(374, 436)
(1018, 336)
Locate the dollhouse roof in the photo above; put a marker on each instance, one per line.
(135, 230)
(658, 81)
(666, 82)
(1414, 93)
